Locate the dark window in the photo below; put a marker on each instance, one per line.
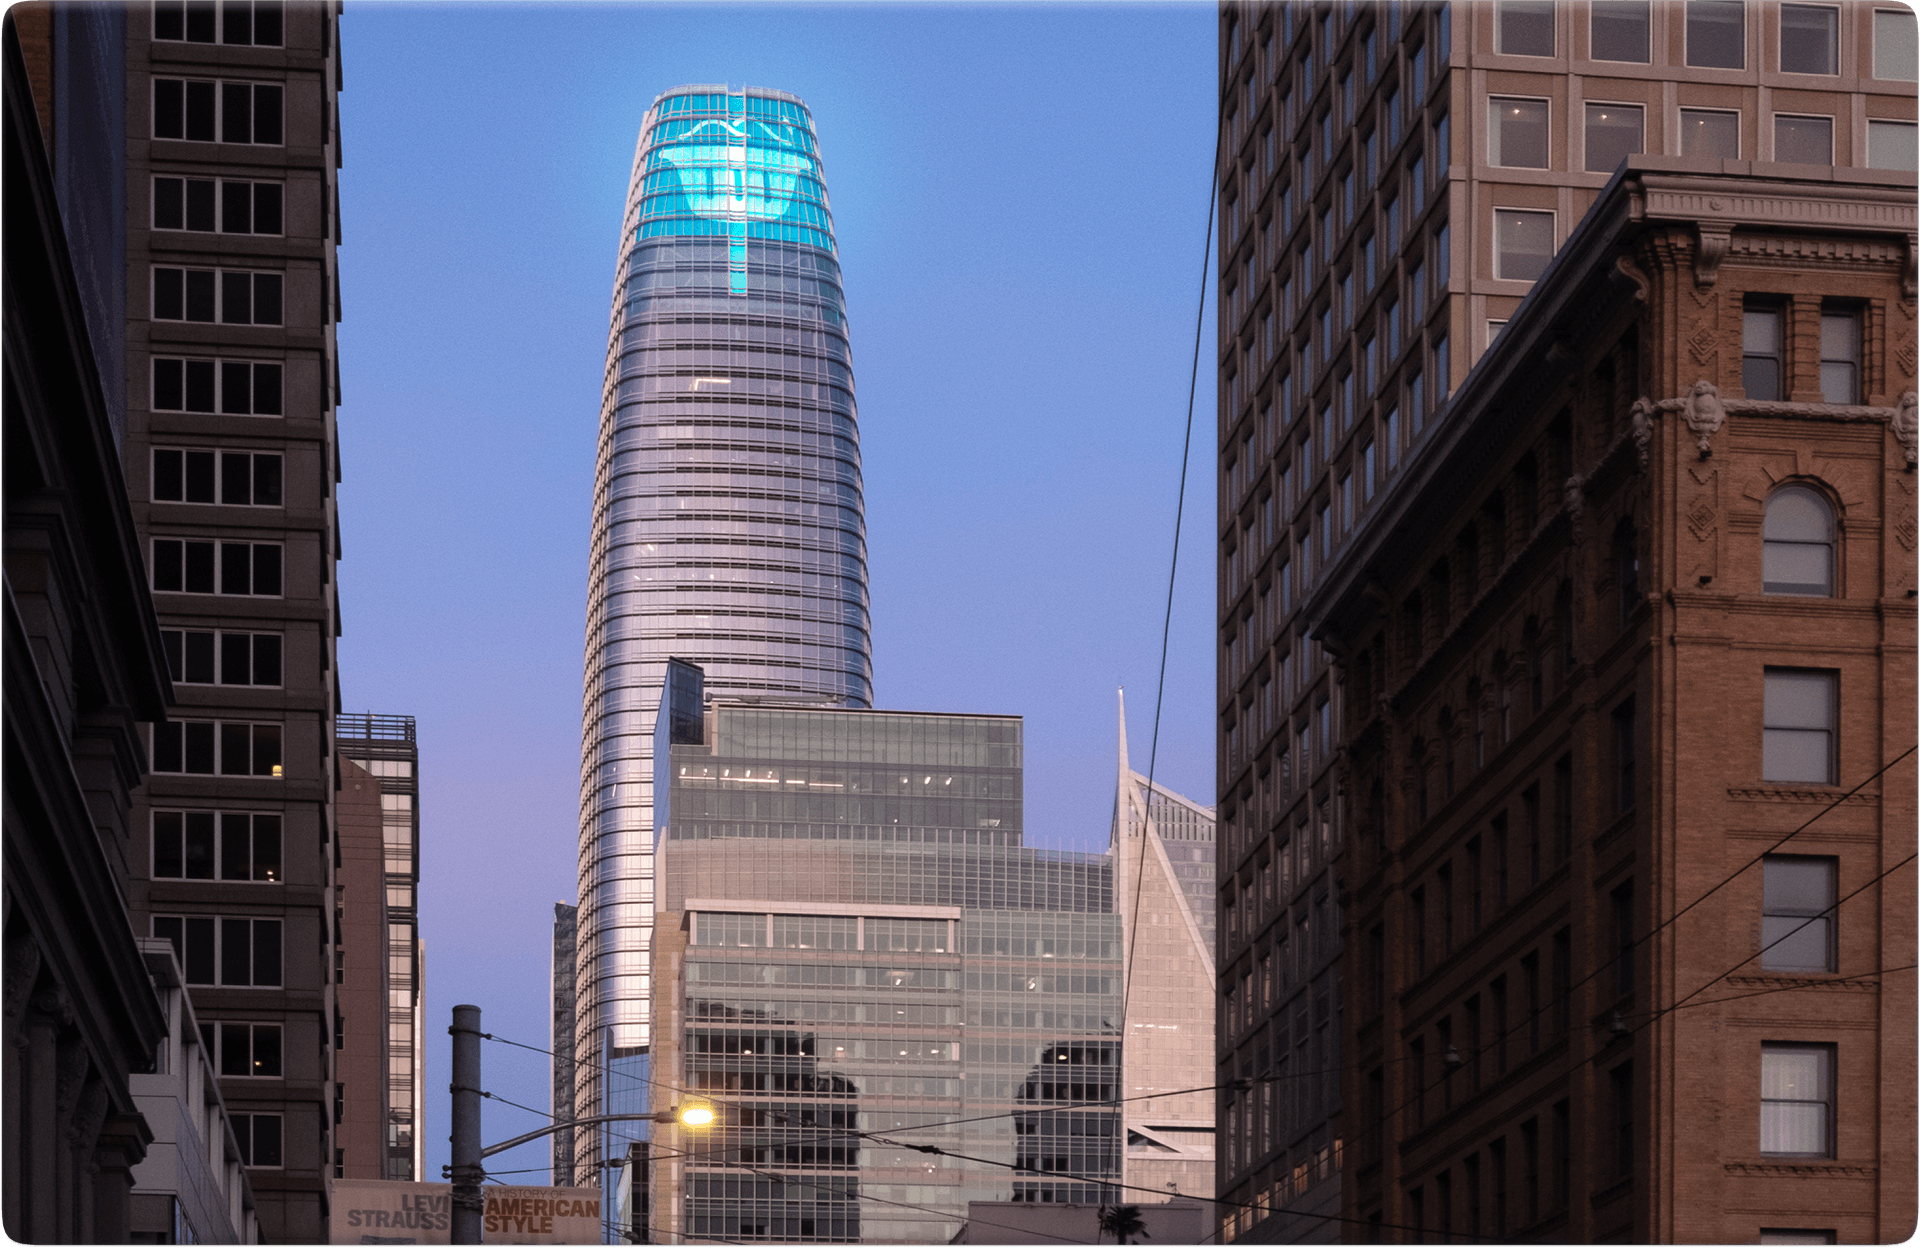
(1621, 1079)
(1796, 554)
(1623, 751)
(1530, 1169)
(1420, 931)
(1563, 806)
(1626, 570)
(1530, 817)
(1717, 34)
(1622, 898)
(1710, 132)
(1761, 372)
(1613, 132)
(1796, 927)
(243, 389)
(1809, 39)
(1562, 1154)
(1524, 27)
(1497, 1162)
(249, 1050)
(259, 1138)
(1620, 29)
(1497, 992)
(1530, 984)
(183, 109)
(1804, 141)
(1500, 893)
(1562, 981)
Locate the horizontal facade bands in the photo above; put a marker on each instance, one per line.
(718, 411)
(700, 333)
(722, 361)
(837, 442)
(737, 468)
(659, 305)
(749, 387)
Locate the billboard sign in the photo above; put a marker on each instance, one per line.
(377, 1211)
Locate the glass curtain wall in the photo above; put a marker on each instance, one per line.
(728, 518)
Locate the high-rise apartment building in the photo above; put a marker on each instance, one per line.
(380, 955)
(229, 205)
(854, 938)
(1393, 178)
(727, 515)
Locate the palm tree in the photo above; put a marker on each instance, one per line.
(1124, 1223)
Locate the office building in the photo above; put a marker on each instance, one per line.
(1162, 850)
(84, 673)
(727, 506)
(379, 955)
(853, 936)
(1630, 649)
(1370, 249)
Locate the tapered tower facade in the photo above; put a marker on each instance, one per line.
(728, 523)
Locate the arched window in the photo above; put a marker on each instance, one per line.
(1796, 555)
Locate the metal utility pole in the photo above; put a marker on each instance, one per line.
(468, 1206)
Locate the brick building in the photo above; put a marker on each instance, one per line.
(1626, 701)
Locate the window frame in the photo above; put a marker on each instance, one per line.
(182, 671)
(220, 547)
(220, 96)
(1828, 1053)
(1738, 137)
(1554, 234)
(1781, 43)
(221, 950)
(1502, 8)
(216, 832)
(1889, 125)
(1876, 66)
(1795, 919)
(1646, 8)
(219, 204)
(1831, 544)
(1586, 141)
(1687, 48)
(1777, 357)
(221, 455)
(1831, 312)
(253, 7)
(219, 734)
(1779, 117)
(219, 378)
(1831, 728)
(277, 283)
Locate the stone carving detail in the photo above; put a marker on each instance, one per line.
(1576, 503)
(1705, 414)
(1641, 428)
(1906, 358)
(1700, 520)
(1904, 533)
(1700, 344)
(22, 968)
(1905, 421)
(1714, 238)
(1624, 266)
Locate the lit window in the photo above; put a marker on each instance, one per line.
(1797, 743)
(1896, 47)
(1803, 140)
(1809, 39)
(1839, 357)
(1760, 371)
(1614, 132)
(1523, 27)
(1717, 34)
(1893, 145)
(1797, 544)
(1709, 132)
(1619, 30)
(1796, 1100)
(1523, 243)
(1796, 926)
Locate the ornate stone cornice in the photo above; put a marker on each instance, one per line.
(1712, 203)
(1804, 983)
(1803, 795)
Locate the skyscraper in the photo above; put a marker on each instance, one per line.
(1393, 180)
(727, 521)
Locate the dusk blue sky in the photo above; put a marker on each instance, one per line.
(1020, 199)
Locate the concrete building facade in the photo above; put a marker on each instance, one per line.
(1392, 181)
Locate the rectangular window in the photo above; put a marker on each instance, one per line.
(1614, 132)
(200, 747)
(1442, 259)
(1530, 984)
(187, 567)
(242, 298)
(1346, 502)
(1622, 898)
(1623, 757)
(1442, 371)
(226, 952)
(1798, 743)
(259, 1139)
(243, 658)
(1709, 132)
(256, 22)
(1393, 330)
(1367, 479)
(1796, 927)
(1796, 1100)
(1523, 243)
(246, 1050)
(1530, 1169)
(207, 205)
(230, 387)
(1760, 362)
(1803, 140)
(1523, 27)
(1839, 357)
(1892, 145)
(248, 112)
(1896, 46)
(1717, 34)
(1390, 430)
(1619, 31)
(1809, 39)
(243, 479)
(186, 847)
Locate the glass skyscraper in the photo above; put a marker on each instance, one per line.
(727, 523)
(853, 938)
